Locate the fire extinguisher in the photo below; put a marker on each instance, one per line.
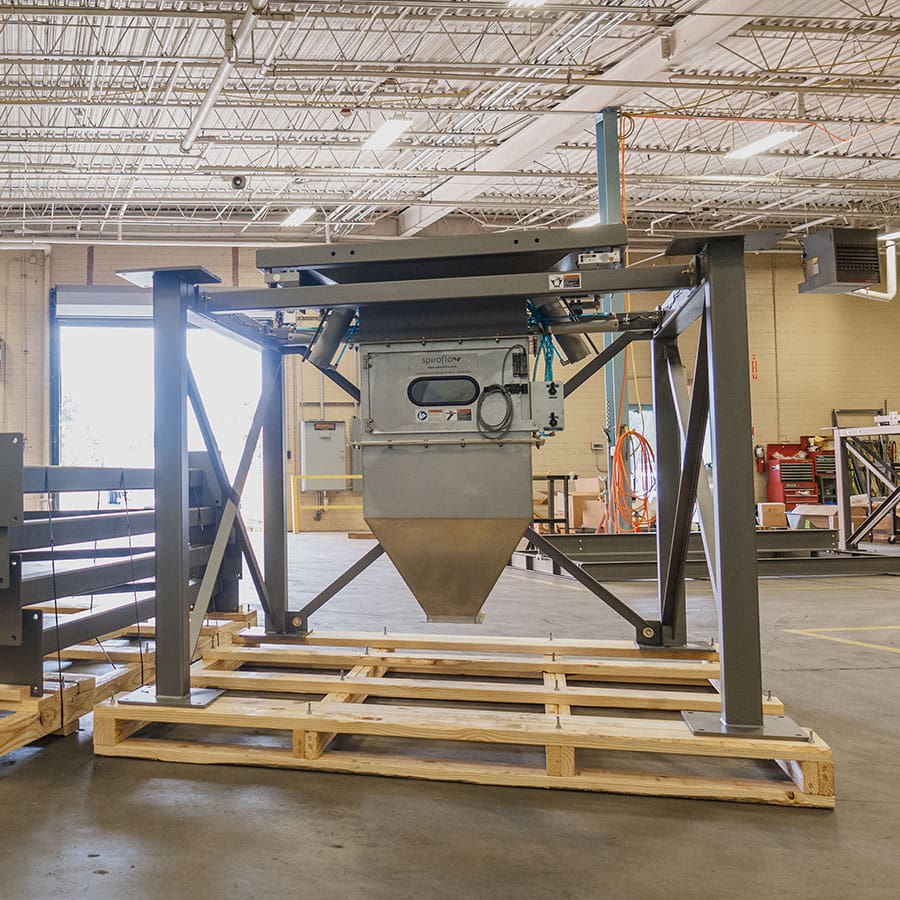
(760, 453)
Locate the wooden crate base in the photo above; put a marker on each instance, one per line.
(505, 711)
(92, 673)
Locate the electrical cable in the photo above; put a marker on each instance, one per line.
(490, 430)
(497, 431)
(627, 502)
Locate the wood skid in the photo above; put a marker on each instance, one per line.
(550, 713)
(81, 676)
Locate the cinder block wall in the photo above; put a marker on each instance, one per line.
(813, 353)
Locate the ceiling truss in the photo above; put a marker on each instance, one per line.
(96, 101)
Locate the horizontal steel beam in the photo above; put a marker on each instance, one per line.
(358, 254)
(80, 627)
(72, 582)
(532, 286)
(58, 479)
(583, 546)
(106, 525)
(768, 567)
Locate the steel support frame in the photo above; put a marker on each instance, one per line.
(736, 589)
(721, 301)
(850, 450)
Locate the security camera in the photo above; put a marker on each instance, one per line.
(239, 182)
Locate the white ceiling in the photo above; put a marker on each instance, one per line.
(97, 102)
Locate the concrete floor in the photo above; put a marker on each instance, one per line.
(110, 828)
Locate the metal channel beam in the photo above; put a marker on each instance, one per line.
(606, 355)
(768, 567)
(672, 584)
(171, 296)
(36, 533)
(339, 583)
(80, 627)
(358, 254)
(221, 475)
(46, 587)
(53, 479)
(274, 512)
(737, 594)
(647, 632)
(705, 514)
(581, 547)
(533, 285)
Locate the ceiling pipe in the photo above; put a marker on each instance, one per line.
(17, 246)
(238, 42)
(890, 252)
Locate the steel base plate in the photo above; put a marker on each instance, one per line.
(199, 698)
(774, 728)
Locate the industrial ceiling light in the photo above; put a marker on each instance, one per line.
(763, 144)
(587, 221)
(891, 236)
(298, 217)
(387, 133)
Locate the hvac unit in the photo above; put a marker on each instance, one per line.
(840, 259)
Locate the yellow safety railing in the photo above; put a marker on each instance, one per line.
(296, 481)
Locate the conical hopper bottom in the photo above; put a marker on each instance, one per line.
(450, 565)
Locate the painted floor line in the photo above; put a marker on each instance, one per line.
(827, 637)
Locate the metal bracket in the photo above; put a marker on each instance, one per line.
(650, 634)
(198, 698)
(773, 728)
(24, 663)
(296, 622)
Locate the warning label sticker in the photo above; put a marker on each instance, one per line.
(564, 281)
(444, 414)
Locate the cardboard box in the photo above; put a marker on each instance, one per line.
(813, 515)
(583, 509)
(593, 512)
(586, 486)
(771, 515)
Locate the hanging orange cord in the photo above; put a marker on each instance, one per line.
(630, 500)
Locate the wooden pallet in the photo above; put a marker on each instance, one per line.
(91, 673)
(502, 711)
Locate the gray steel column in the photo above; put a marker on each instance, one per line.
(668, 472)
(173, 653)
(274, 522)
(737, 594)
(609, 187)
(842, 489)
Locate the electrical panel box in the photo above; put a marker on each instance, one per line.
(547, 405)
(323, 456)
(840, 259)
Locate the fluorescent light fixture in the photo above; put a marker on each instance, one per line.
(891, 236)
(527, 3)
(763, 144)
(298, 217)
(387, 133)
(587, 221)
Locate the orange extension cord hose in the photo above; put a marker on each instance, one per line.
(627, 504)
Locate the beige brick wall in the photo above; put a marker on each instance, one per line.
(813, 353)
(24, 368)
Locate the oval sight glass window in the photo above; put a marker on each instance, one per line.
(443, 390)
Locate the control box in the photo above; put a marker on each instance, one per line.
(323, 456)
(547, 406)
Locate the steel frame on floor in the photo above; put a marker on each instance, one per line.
(48, 555)
(864, 463)
(477, 271)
